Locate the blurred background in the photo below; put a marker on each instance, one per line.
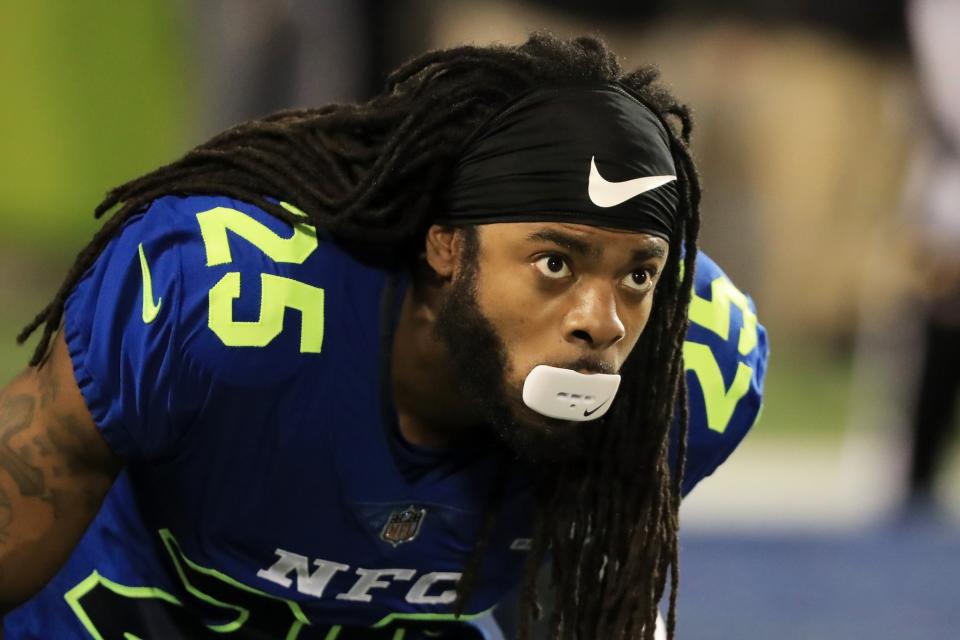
(828, 140)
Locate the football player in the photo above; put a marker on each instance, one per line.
(356, 371)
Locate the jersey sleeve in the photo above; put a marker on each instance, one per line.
(122, 328)
(725, 358)
(198, 314)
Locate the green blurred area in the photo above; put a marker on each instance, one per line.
(96, 93)
(807, 391)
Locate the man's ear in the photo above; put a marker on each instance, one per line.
(444, 246)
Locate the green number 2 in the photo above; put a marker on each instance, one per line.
(714, 315)
(277, 292)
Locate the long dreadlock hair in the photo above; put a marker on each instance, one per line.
(367, 174)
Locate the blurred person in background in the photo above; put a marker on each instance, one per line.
(253, 479)
(934, 204)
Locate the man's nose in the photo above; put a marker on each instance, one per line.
(594, 321)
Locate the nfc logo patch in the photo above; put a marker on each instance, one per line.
(403, 526)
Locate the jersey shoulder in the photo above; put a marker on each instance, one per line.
(725, 358)
(201, 291)
(264, 296)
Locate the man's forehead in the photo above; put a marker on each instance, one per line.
(582, 238)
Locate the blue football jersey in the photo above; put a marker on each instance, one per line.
(235, 363)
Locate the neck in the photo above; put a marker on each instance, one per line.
(430, 409)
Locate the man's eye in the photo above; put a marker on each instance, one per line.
(553, 266)
(640, 280)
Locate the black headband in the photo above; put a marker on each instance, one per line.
(589, 155)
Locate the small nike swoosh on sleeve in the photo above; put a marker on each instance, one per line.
(604, 193)
(150, 310)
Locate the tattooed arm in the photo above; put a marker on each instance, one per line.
(55, 469)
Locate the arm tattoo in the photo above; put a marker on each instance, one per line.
(16, 414)
(6, 515)
(49, 391)
(48, 455)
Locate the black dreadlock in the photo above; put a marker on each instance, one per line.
(367, 174)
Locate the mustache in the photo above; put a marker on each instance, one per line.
(587, 364)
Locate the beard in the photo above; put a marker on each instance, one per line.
(479, 357)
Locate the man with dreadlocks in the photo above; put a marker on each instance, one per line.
(356, 371)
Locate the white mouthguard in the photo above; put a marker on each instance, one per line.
(568, 395)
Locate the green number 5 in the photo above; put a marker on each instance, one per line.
(277, 293)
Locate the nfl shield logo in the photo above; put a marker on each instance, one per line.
(403, 526)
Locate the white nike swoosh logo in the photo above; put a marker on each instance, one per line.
(604, 193)
(587, 414)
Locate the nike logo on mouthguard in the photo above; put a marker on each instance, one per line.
(604, 193)
(590, 412)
